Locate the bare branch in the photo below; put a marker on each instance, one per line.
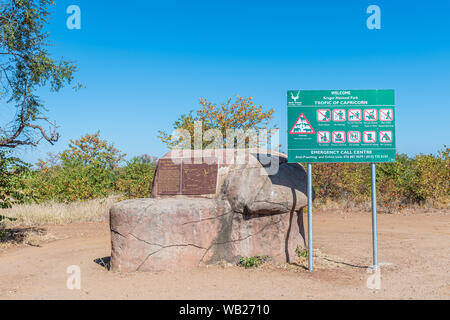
(26, 65)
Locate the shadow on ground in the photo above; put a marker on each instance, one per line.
(334, 262)
(21, 235)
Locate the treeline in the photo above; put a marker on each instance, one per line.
(92, 168)
(419, 180)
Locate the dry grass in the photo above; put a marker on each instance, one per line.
(348, 206)
(26, 231)
(59, 213)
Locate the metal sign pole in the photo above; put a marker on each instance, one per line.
(310, 231)
(374, 217)
(315, 130)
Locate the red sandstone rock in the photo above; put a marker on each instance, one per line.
(250, 214)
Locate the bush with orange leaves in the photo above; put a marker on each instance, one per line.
(235, 114)
(88, 169)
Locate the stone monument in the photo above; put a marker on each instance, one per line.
(210, 206)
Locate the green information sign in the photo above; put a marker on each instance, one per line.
(341, 126)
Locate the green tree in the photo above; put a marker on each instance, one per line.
(136, 178)
(91, 151)
(11, 170)
(26, 66)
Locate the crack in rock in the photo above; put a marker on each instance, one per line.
(208, 219)
(167, 246)
(237, 240)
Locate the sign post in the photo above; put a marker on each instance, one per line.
(374, 217)
(310, 230)
(331, 126)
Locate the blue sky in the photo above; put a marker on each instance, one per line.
(144, 63)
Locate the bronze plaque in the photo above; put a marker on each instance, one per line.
(191, 177)
(169, 177)
(198, 179)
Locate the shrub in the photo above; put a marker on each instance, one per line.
(87, 170)
(11, 184)
(433, 177)
(302, 252)
(10, 169)
(136, 178)
(72, 178)
(69, 182)
(252, 262)
(424, 178)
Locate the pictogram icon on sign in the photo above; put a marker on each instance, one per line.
(386, 136)
(370, 115)
(323, 137)
(386, 115)
(302, 126)
(323, 115)
(339, 115)
(339, 137)
(354, 137)
(354, 115)
(369, 137)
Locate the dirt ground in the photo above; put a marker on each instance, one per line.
(414, 250)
